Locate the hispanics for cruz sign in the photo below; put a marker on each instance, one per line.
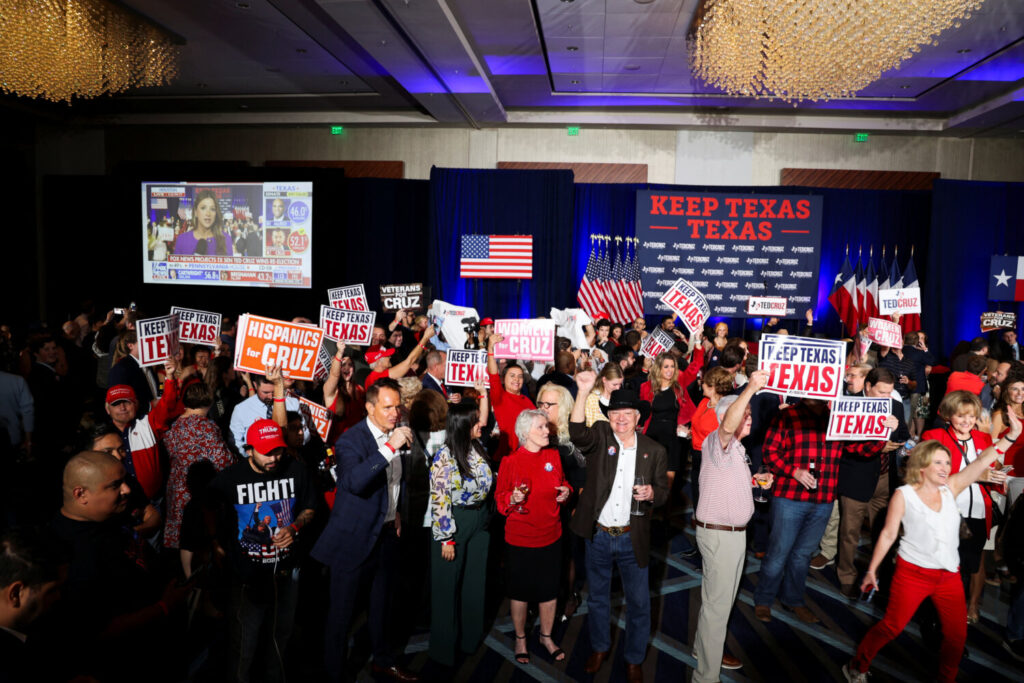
(688, 303)
(857, 418)
(318, 415)
(265, 341)
(531, 339)
(802, 367)
(730, 247)
(158, 339)
(350, 327)
(465, 368)
(197, 327)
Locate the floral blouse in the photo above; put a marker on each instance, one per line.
(447, 487)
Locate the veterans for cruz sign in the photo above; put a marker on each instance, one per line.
(802, 367)
(730, 247)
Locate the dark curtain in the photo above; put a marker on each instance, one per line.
(971, 221)
(503, 202)
(854, 218)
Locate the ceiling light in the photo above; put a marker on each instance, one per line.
(242, 5)
(301, 50)
(643, 2)
(572, 48)
(904, 87)
(794, 50)
(82, 48)
(963, 51)
(575, 82)
(632, 67)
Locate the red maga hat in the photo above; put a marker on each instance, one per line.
(264, 436)
(121, 392)
(374, 356)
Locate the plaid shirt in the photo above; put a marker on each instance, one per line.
(797, 435)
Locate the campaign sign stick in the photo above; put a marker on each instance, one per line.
(158, 339)
(802, 367)
(689, 304)
(350, 327)
(656, 343)
(857, 418)
(265, 341)
(465, 368)
(351, 298)
(767, 306)
(893, 301)
(197, 327)
(998, 320)
(885, 333)
(398, 297)
(320, 416)
(526, 339)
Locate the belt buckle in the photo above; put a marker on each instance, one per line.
(614, 531)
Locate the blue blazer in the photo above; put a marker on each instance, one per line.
(430, 383)
(361, 503)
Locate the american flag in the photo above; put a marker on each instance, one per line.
(496, 256)
(589, 295)
(635, 288)
(617, 287)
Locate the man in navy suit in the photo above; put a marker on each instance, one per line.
(433, 378)
(360, 543)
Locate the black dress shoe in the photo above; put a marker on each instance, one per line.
(395, 673)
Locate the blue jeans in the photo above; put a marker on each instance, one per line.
(604, 551)
(797, 528)
(1015, 618)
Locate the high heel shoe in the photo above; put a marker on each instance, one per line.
(522, 657)
(558, 654)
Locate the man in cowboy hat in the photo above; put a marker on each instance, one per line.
(617, 457)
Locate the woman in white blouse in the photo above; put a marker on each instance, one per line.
(928, 560)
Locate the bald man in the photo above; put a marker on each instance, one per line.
(109, 580)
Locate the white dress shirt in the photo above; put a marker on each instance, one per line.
(252, 409)
(394, 469)
(620, 500)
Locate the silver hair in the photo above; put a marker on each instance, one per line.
(524, 423)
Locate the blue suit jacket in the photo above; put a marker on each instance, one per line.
(361, 503)
(430, 383)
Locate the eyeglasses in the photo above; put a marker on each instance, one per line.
(544, 405)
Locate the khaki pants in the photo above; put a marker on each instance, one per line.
(722, 554)
(852, 513)
(830, 541)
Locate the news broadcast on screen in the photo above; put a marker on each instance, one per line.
(233, 234)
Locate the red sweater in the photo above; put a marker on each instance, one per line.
(541, 525)
(506, 409)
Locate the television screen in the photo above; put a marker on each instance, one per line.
(237, 234)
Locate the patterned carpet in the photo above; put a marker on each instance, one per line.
(783, 650)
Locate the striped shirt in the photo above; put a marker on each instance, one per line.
(726, 497)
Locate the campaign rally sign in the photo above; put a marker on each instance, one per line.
(455, 325)
(265, 341)
(768, 306)
(899, 301)
(531, 339)
(158, 339)
(318, 415)
(730, 246)
(656, 343)
(998, 320)
(688, 303)
(465, 368)
(323, 362)
(569, 324)
(885, 332)
(197, 327)
(398, 297)
(801, 366)
(351, 298)
(857, 418)
(165, 233)
(350, 327)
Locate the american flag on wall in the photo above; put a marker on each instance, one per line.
(496, 256)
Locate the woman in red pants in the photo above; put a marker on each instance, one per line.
(927, 564)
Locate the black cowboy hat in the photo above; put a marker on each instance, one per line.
(626, 398)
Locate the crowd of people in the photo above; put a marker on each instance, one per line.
(189, 522)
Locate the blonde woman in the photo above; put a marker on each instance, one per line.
(609, 379)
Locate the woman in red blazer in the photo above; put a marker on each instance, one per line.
(671, 406)
(960, 410)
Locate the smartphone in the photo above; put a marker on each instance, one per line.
(866, 596)
(118, 311)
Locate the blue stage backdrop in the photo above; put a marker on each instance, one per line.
(971, 221)
(730, 247)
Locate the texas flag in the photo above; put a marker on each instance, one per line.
(1006, 279)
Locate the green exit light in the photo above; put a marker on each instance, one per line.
(573, 130)
(337, 130)
(861, 137)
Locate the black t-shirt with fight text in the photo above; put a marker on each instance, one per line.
(256, 505)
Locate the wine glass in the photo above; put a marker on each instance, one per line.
(760, 487)
(523, 485)
(636, 509)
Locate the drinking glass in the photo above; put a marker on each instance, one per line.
(636, 509)
(523, 485)
(761, 487)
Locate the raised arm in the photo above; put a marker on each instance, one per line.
(970, 474)
(333, 376)
(402, 368)
(280, 411)
(733, 419)
(492, 362)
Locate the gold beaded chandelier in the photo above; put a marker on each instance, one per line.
(59, 49)
(813, 49)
